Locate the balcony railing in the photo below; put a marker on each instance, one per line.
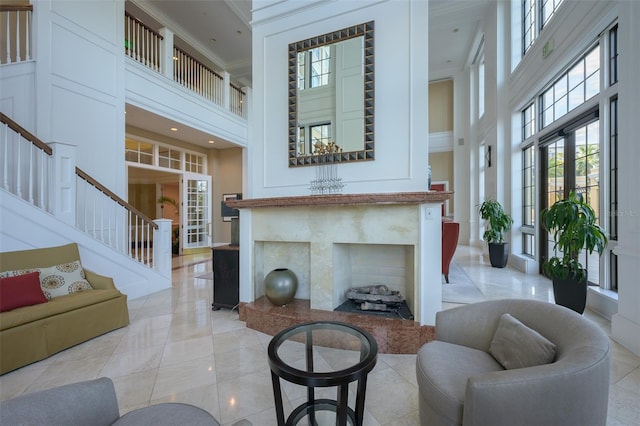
(148, 47)
(15, 21)
(237, 101)
(142, 43)
(195, 76)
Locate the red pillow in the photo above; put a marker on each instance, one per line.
(21, 290)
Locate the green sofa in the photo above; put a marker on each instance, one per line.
(32, 333)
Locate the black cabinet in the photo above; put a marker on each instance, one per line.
(226, 271)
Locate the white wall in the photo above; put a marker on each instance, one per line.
(80, 82)
(401, 93)
(625, 325)
(147, 90)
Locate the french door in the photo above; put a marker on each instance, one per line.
(196, 211)
(570, 161)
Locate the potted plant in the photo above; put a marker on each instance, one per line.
(572, 224)
(499, 223)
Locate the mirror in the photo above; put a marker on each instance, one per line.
(331, 97)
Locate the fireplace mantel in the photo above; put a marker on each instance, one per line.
(343, 199)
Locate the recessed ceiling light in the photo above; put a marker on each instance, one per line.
(238, 32)
(211, 141)
(455, 30)
(174, 129)
(212, 40)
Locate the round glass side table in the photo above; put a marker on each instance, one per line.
(322, 354)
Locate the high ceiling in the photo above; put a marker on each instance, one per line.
(221, 30)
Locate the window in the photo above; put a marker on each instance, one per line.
(613, 192)
(193, 163)
(481, 87)
(314, 67)
(547, 9)
(573, 88)
(528, 121)
(531, 14)
(302, 70)
(565, 155)
(301, 141)
(320, 61)
(528, 200)
(613, 169)
(138, 152)
(155, 154)
(320, 135)
(169, 158)
(528, 24)
(613, 55)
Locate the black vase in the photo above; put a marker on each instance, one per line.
(498, 254)
(571, 293)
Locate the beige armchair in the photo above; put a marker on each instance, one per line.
(460, 383)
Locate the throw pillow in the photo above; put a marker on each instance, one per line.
(63, 279)
(515, 345)
(19, 291)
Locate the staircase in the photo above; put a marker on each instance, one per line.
(46, 201)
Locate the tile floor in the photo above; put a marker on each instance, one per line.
(177, 349)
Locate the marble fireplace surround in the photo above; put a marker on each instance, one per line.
(334, 242)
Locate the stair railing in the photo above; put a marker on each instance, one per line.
(110, 219)
(26, 162)
(26, 170)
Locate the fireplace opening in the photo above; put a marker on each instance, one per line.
(376, 300)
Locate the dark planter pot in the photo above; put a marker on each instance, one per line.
(570, 293)
(498, 254)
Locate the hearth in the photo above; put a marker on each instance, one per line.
(393, 335)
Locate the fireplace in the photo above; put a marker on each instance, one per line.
(335, 242)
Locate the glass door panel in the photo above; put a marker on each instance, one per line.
(196, 217)
(572, 162)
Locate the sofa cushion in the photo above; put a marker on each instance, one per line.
(63, 279)
(515, 345)
(19, 291)
(57, 280)
(55, 306)
(443, 371)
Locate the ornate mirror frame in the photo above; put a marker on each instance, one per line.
(367, 153)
